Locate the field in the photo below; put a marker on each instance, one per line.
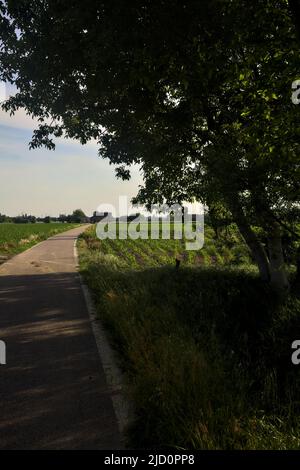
(15, 238)
(149, 252)
(205, 348)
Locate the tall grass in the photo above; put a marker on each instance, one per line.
(206, 348)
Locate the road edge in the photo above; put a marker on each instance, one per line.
(31, 247)
(108, 358)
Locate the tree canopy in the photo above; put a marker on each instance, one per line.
(197, 93)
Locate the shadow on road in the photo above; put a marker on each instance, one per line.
(53, 393)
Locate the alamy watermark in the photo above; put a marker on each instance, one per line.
(296, 354)
(163, 222)
(2, 353)
(296, 92)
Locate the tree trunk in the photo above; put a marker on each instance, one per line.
(272, 265)
(278, 273)
(257, 249)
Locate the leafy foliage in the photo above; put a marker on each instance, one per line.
(200, 98)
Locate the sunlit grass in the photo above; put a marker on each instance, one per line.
(15, 238)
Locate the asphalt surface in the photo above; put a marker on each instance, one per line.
(53, 392)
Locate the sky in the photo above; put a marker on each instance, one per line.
(43, 182)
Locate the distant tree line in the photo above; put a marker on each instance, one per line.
(78, 216)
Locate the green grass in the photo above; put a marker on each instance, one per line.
(15, 238)
(140, 253)
(205, 349)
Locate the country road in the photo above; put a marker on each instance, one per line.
(53, 393)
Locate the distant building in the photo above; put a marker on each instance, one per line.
(99, 216)
(131, 217)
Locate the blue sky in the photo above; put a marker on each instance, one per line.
(43, 182)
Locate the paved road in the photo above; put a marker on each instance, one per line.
(53, 393)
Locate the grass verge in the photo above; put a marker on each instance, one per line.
(15, 238)
(206, 349)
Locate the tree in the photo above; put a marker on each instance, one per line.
(200, 98)
(24, 219)
(63, 218)
(4, 218)
(218, 218)
(78, 217)
(295, 10)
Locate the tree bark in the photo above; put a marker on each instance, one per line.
(278, 274)
(272, 264)
(257, 249)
